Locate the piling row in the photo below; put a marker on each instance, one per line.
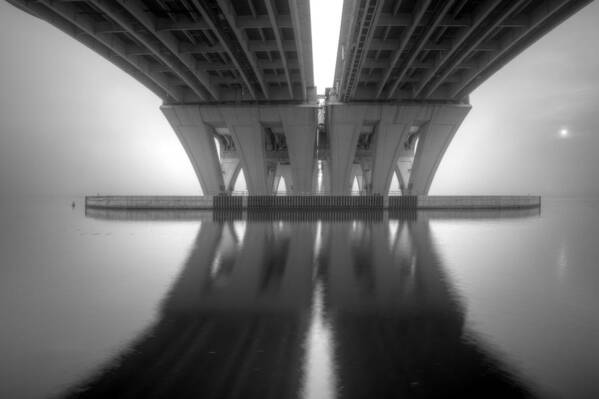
(227, 202)
(403, 202)
(304, 202)
(299, 216)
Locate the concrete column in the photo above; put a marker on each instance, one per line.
(345, 123)
(299, 125)
(197, 139)
(392, 130)
(244, 125)
(433, 141)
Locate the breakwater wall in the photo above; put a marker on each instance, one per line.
(313, 202)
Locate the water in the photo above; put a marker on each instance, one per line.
(434, 304)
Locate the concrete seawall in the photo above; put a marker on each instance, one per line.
(309, 202)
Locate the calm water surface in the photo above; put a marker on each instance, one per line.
(370, 305)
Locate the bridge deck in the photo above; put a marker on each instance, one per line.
(191, 51)
(440, 50)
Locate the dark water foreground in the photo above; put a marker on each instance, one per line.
(284, 305)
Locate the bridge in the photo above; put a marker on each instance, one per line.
(237, 82)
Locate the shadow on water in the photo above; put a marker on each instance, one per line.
(291, 305)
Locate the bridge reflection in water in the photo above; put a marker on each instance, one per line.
(332, 305)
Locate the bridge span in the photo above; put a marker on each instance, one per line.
(237, 83)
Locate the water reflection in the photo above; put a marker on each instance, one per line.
(315, 306)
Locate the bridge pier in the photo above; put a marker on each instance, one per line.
(268, 141)
(197, 138)
(372, 141)
(345, 123)
(433, 141)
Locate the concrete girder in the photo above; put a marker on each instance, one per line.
(301, 24)
(366, 28)
(479, 16)
(418, 47)
(554, 11)
(244, 22)
(405, 20)
(226, 9)
(87, 25)
(128, 65)
(270, 9)
(203, 90)
(197, 138)
(476, 43)
(417, 16)
(252, 46)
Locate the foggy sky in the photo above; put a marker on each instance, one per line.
(72, 123)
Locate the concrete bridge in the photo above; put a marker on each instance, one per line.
(237, 85)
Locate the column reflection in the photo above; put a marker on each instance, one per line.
(312, 306)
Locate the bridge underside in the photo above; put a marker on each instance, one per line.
(435, 49)
(196, 51)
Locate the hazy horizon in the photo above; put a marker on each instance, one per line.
(71, 123)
